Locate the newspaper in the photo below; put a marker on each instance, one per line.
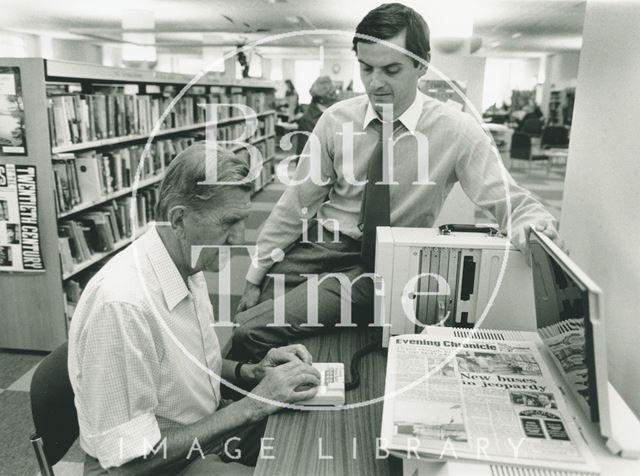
(494, 401)
(566, 342)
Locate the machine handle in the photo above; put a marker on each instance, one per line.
(453, 228)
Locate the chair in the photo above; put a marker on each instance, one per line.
(521, 149)
(520, 146)
(53, 410)
(532, 127)
(556, 137)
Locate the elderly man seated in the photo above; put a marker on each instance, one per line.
(144, 359)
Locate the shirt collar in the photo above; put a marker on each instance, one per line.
(173, 287)
(408, 118)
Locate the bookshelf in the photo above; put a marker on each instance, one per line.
(97, 257)
(561, 103)
(90, 122)
(555, 107)
(106, 198)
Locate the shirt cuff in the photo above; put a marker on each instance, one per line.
(126, 442)
(256, 275)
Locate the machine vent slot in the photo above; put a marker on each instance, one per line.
(488, 334)
(504, 470)
(479, 334)
(468, 278)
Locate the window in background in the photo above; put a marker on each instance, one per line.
(12, 46)
(503, 75)
(190, 65)
(213, 56)
(306, 72)
(276, 69)
(173, 63)
(358, 87)
(255, 65)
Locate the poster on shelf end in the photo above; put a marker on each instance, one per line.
(19, 230)
(12, 127)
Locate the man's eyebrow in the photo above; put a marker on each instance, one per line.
(390, 65)
(236, 214)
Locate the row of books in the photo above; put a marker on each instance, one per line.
(232, 132)
(76, 118)
(79, 118)
(267, 126)
(229, 132)
(266, 172)
(270, 147)
(88, 177)
(260, 101)
(103, 229)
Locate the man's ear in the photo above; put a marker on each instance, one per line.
(422, 67)
(176, 217)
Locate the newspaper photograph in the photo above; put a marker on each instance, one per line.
(454, 398)
(566, 342)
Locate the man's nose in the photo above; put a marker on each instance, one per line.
(236, 234)
(376, 81)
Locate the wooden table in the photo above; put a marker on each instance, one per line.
(349, 436)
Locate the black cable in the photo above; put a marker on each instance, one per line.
(355, 361)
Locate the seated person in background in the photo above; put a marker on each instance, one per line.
(144, 359)
(292, 98)
(532, 121)
(323, 94)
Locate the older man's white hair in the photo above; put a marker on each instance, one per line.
(180, 183)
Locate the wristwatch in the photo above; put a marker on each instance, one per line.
(238, 371)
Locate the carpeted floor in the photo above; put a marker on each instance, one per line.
(16, 368)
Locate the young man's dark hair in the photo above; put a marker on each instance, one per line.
(388, 20)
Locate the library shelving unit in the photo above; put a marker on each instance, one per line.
(561, 103)
(63, 103)
(555, 107)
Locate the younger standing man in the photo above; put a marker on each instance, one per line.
(349, 200)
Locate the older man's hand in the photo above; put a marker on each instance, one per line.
(286, 383)
(279, 356)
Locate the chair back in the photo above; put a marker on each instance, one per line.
(499, 119)
(555, 136)
(52, 406)
(520, 146)
(532, 126)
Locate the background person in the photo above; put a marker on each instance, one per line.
(291, 95)
(323, 94)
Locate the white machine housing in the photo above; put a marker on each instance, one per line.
(470, 263)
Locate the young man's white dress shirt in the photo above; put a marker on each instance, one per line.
(459, 150)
